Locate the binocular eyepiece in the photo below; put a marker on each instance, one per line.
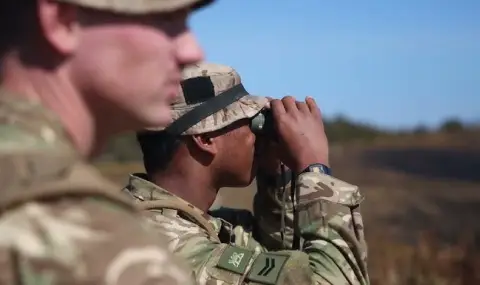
(262, 123)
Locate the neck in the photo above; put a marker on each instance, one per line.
(193, 184)
(53, 89)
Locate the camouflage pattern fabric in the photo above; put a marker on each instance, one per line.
(135, 7)
(250, 252)
(60, 221)
(222, 78)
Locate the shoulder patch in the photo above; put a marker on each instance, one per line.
(267, 268)
(235, 259)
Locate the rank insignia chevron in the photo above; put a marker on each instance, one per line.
(267, 268)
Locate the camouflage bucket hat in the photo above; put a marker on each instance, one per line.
(211, 97)
(138, 7)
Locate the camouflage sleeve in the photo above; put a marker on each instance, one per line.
(331, 252)
(83, 241)
(329, 222)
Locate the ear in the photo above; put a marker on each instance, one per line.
(59, 25)
(206, 143)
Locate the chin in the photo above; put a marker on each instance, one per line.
(164, 121)
(161, 118)
(246, 182)
(240, 183)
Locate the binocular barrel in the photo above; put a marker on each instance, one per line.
(262, 123)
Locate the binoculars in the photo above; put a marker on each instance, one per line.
(262, 123)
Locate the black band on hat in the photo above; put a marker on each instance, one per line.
(209, 107)
(197, 90)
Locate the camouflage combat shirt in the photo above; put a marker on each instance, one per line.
(60, 221)
(254, 250)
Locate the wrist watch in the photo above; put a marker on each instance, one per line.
(319, 168)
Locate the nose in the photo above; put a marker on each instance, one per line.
(188, 49)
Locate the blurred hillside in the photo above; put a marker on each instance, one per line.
(340, 130)
(423, 196)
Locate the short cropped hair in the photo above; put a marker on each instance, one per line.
(158, 149)
(18, 19)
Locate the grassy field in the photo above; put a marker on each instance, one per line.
(422, 209)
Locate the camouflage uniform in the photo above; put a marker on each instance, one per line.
(249, 249)
(60, 221)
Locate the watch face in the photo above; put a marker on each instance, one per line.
(316, 169)
(319, 168)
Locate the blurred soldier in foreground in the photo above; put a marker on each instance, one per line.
(215, 142)
(74, 73)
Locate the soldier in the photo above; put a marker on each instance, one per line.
(74, 73)
(218, 140)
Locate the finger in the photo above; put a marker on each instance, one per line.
(277, 108)
(303, 107)
(312, 106)
(289, 104)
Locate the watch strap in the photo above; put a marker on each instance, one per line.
(318, 168)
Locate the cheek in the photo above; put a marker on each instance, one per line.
(252, 143)
(249, 144)
(124, 63)
(126, 48)
(245, 138)
(251, 138)
(143, 45)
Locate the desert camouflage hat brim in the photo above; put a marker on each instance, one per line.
(245, 108)
(138, 7)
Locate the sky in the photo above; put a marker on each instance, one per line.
(390, 63)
